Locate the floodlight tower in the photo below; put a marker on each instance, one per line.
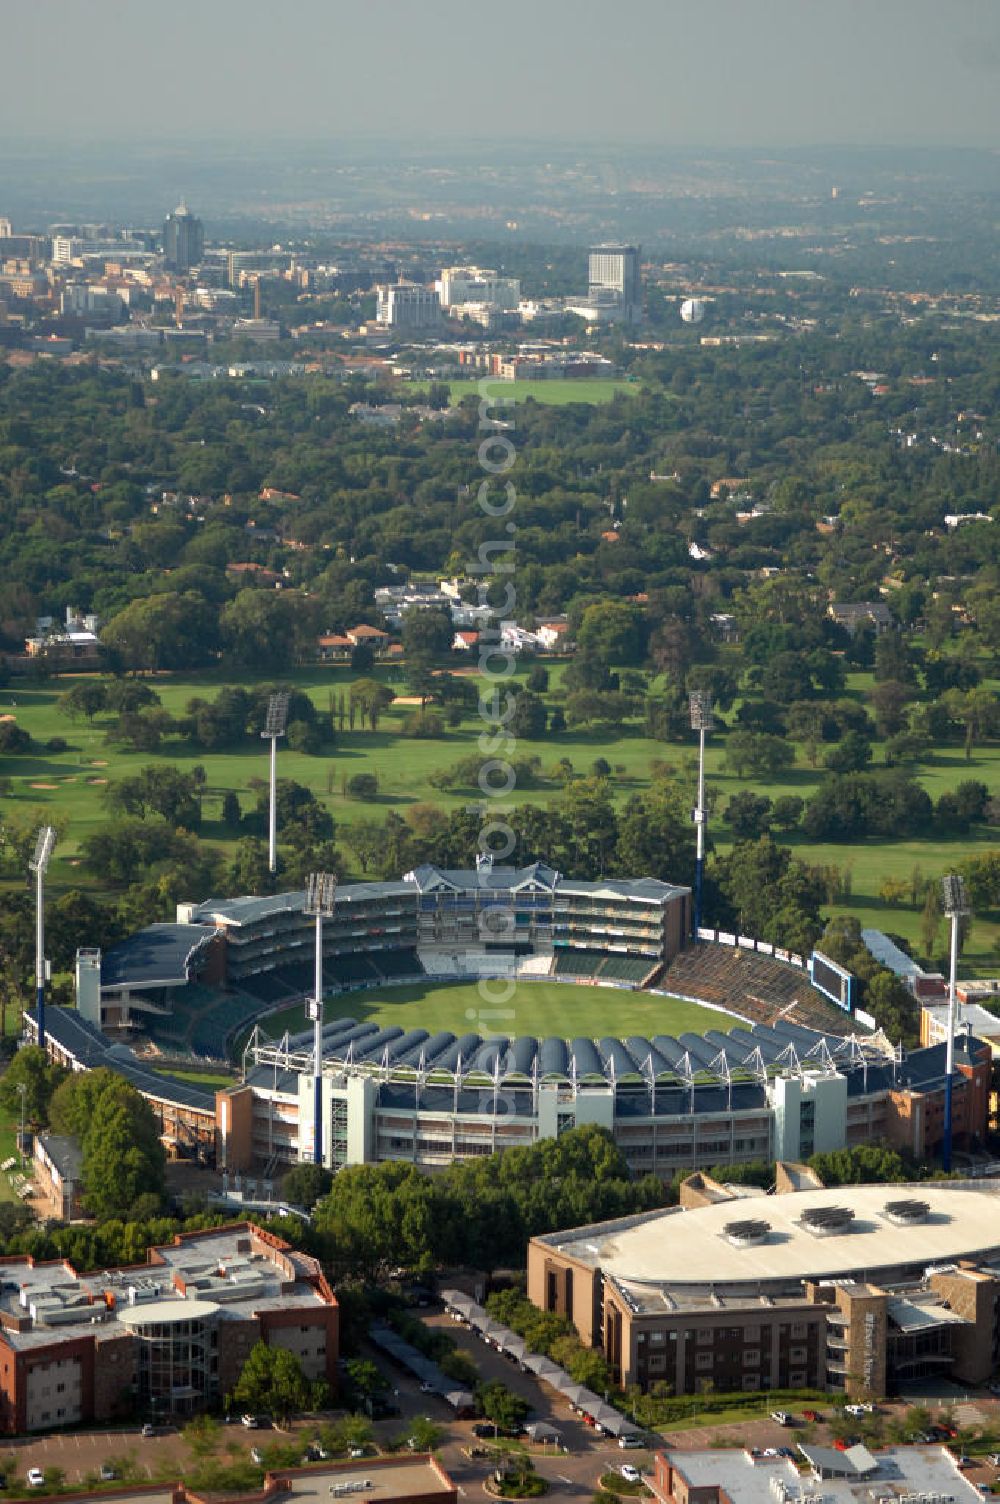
(274, 726)
(321, 894)
(956, 905)
(700, 704)
(44, 843)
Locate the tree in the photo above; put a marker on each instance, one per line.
(427, 633)
(748, 814)
(852, 755)
(363, 786)
(163, 631)
(272, 1380)
(787, 811)
(305, 1184)
(501, 1405)
(528, 719)
(122, 1154)
(32, 1070)
(758, 753)
(610, 632)
(86, 697)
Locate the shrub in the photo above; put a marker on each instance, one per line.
(363, 786)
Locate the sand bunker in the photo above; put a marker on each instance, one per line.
(97, 780)
(8, 717)
(98, 762)
(44, 785)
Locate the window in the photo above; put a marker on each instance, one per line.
(797, 1355)
(703, 1361)
(798, 1379)
(705, 1336)
(799, 1329)
(751, 1381)
(751, 1357)
(657, 1363)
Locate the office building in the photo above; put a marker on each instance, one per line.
(919, 1475)
(615, 281)
(406, 305)
(169, 1337)
(859, 1290)
(459, 285)
(183, 240)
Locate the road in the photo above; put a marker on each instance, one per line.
(572, 1474)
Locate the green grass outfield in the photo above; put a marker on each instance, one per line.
(561, 1009)
(557, 393)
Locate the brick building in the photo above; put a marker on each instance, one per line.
(168, 1337)
(858, 1290)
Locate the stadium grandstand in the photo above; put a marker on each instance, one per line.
(796, 1074)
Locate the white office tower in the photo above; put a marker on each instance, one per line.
(459, 285)
(615, 281)
(407, 306)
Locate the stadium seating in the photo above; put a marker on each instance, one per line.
(395, 965)
(349, 970)
(268, 987)
(578, 963)
(755, 986)
(627, 968)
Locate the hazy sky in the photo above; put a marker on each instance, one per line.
(705, 72)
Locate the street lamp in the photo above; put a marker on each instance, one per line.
(955, 903)
(44, 843)
(321, 894)
(700, 705)
(275, 723)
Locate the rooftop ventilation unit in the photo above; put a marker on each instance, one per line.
(747, 1234)
(827, 1221)
(906, 1213)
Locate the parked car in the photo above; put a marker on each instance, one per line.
(994, 1459)
(630, 1440)
(629, 1473)
(353, 1452)
(782, 1417)
(812, 1415)
(108, 1474)
(484, 1428)
(426, 1388)
(251, 1422)
(36, 1478)
(148, 1429)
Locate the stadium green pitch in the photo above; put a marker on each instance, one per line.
(557, 1008)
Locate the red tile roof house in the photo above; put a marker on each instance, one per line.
(332, 648)
(373, 636)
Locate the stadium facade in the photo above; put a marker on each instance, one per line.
(791, 1079)
(859, 1290)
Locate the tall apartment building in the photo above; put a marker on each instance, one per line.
(615, 281)
(183, 239)
(406, 305)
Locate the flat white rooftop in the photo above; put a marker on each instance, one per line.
(928, 1471)
(691, 1248)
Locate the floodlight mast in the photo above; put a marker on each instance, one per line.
(956, 906)
(274, 726)
(700, 704)
(321, 895)
(44, 842)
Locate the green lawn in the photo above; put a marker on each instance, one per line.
(538, 1008)
(9, 1124)
(556, 392)
(70, 786)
